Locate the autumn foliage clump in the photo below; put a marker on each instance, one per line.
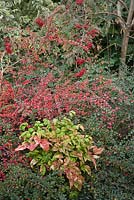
(59, 145)
(37, 99)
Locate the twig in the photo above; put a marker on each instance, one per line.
(131, 37)
(106, 48)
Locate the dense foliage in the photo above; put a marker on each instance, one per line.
(55, 57)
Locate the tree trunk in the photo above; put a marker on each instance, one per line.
(127, 30)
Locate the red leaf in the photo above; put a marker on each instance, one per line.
(32, 146)
(37, 140)
(44, 144)
(8, 47)
(22, 147)
(92, 158)
(81, 73)
(80, 61)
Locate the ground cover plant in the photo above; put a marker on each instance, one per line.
(53, 61)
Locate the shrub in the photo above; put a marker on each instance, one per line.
(27, 57)
(23, 184)
(60, 145)
(114, 176)
(7, 154)
(50, 96)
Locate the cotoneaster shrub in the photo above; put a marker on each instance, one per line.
(114, 177)
(22, 183)
(35, 54)
(27, 58)
(7, 154)
(50, 96)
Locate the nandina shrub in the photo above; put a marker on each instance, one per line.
(60, 145)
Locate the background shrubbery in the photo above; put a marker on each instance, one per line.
(58, 56)
(22, 183)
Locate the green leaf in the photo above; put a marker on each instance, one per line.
(42, 170)
(86, 168)
(30, 130)
(73, 159)
(25, 134)
(46, 122)
(23, 126)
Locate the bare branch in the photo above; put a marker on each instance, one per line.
(125, 41)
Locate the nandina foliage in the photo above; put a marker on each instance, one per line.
(60, 145)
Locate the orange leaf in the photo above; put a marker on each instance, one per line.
(92, 158)
(97, 151)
